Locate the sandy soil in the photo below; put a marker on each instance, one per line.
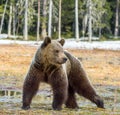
(102, 66)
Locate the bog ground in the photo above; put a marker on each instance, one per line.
(102, 67)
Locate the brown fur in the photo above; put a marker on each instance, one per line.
(63, 72)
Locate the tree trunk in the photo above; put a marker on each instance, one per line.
(117, 20)
(59, 23)
(10, 21)
(84, 24)
(44, 33)
(14, 21)
(76, 21)
(2, 20)
(26, 21)
(90, 23)
(38, 22)
(50, 18)
(99, 32)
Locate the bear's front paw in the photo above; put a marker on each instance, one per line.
(57, 109)
(72, 105)
(25, 107)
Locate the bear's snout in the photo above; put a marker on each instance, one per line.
(61, 60)
(64, 59)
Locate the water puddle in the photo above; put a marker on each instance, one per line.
(11, 99)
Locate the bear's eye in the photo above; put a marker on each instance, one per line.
(57, 51)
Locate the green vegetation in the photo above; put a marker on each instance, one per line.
(103, 17)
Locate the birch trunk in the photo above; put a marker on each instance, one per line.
(38, 22)
(2, 20)
(44, 33)
(14, 21)
(90, 22)
(50, 18)
(10, 21)
(59, 23)
(76, 21)
(26, 21)
(117, 20)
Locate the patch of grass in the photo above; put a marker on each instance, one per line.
(109, 38)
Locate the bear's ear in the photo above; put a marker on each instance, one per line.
(62, 42)
(46, 41)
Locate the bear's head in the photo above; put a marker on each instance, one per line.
(52, 51)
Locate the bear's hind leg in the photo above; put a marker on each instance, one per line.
(82, 86)
(71, 100)
(86, 90)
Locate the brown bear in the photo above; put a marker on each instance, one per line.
(65, 74)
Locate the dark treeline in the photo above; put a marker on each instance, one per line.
(104, 15)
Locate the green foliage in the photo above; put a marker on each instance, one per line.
(55, 35)
(32, 38)
(1, 9)
(67, 18)
(17, 38)
(109, 37)
(103, 16)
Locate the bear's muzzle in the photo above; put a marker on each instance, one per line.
(64, 60)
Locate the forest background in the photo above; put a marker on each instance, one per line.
(60, 18)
